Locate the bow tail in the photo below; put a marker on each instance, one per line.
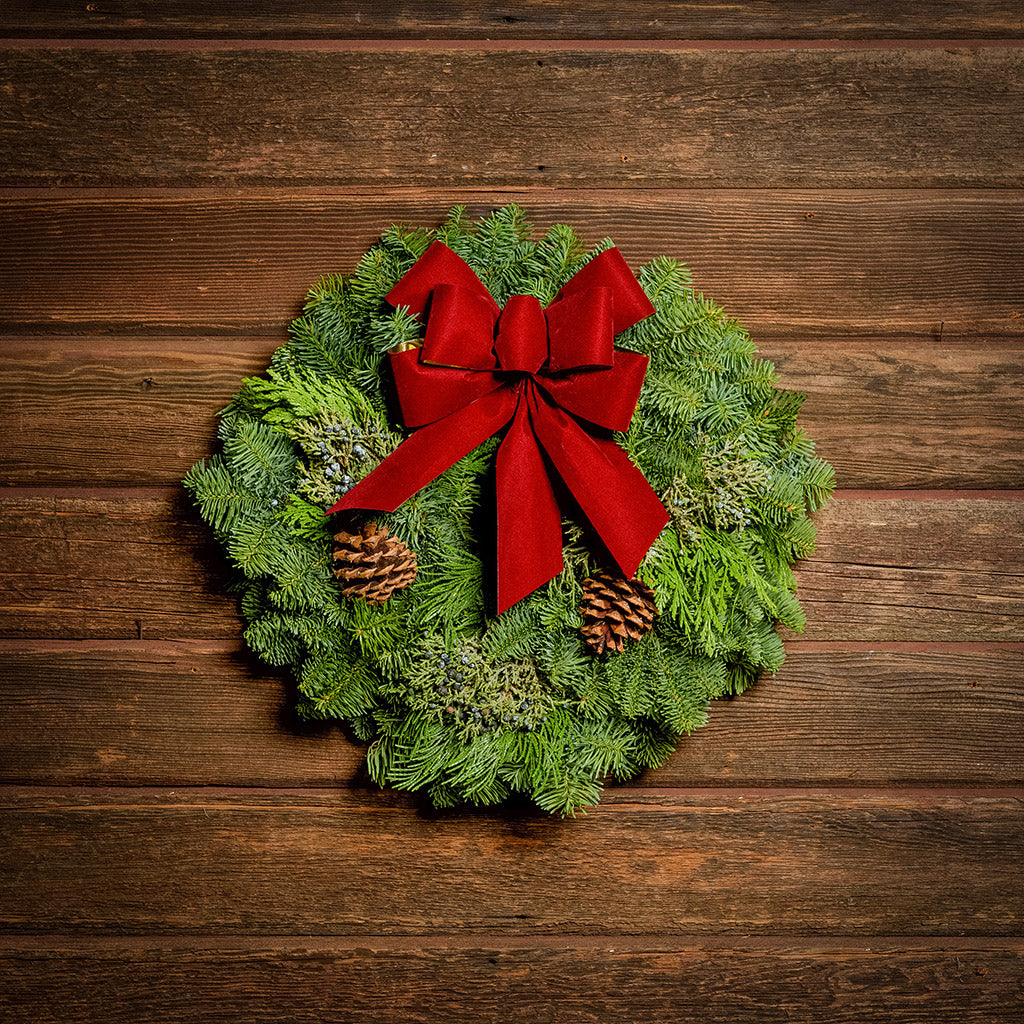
(613, 494)
(529, 521)
(428, 452)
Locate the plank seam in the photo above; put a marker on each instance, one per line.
(407, 801)
(166, 492)
(226, 645)
(28, 942)
(256, 193)
(176, 45)
(614, 796)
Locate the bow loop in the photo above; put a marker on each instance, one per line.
(457, 390)
(437, 266)
(604, 397)
(429, 393)
(609, 270)
(580, 334)
(460, 329)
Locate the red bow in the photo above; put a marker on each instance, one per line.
(543, 369)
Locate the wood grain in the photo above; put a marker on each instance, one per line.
(175, 846)
(119, 981)
(140, 410)
(674, 117)
(727, 862)
(544, 19)
(175, 713)
(788, 264)
(171, 713)
(891, 412)
(110, 565)
(141, 566)
(915, 570)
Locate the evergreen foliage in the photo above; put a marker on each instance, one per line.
(465, 705)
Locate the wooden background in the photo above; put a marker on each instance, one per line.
(842, 843)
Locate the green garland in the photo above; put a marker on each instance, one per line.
(470, 707)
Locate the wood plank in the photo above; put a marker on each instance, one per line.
(787, 264)
(575, 982)
(915, 570)
(671, 862)
(140, 410)
(115, 565)
(171, 713)
(132, 411)
(543, 19)
(202, 714)
(673, 117)
(895, 413)
(139, 565)
(863, 717)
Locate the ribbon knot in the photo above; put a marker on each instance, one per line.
(522, 341)
(551, 376)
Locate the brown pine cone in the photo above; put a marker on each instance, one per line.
(615, 610)
(371, 564)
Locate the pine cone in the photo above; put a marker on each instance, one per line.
(371, 564)
(615, 610)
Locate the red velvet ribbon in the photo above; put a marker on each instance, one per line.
(540, 372)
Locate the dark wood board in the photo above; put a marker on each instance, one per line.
(373, 981)
(112, 564)
(141, 566)
(176, 713)
(701, 861)
(789, 264)
(915, 570)
(140, 410)
(893, 117)
(544, 19)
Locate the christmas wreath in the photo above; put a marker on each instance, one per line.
(511, 513)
